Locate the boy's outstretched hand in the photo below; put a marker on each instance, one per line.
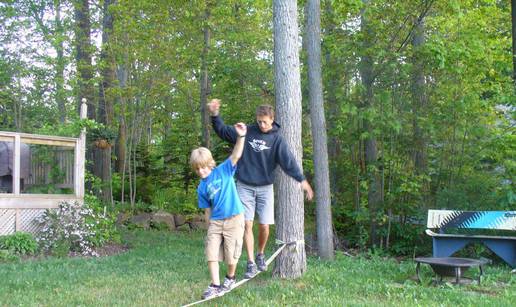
(241, 129)
(213, 107)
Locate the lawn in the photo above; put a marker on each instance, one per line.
(167, 269)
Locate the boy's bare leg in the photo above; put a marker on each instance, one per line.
(249, 240)
(263, 236)
(213, 267)
(231, 270)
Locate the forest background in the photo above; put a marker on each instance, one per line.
(426, 88)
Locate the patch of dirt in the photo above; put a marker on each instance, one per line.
(111, 249)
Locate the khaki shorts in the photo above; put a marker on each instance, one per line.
(224, 239)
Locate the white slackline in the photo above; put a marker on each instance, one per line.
(243, 281)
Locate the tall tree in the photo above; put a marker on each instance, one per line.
(83, 56)
(375, 188)
(205, 81)
(320, 152)
(419, 99)
(106, 97)
(513, 20)
(291, 262)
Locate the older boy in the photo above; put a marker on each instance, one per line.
(264, 150)
(224, 212)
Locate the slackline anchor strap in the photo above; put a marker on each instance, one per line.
(281, 244)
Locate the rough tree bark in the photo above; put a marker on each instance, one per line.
(105, 111)
(291, 263)
(320, 147)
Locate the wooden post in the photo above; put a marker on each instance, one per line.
(16, 163)
(80, 155)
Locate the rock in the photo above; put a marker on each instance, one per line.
(198, 225)
(184, 227)
(198, 218)
(142, 220)
(179, 220)
(165, 218)
(122, 218)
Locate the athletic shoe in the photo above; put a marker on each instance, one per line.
(260, 261)
(212, 291)
(251, 270)
(228, 284)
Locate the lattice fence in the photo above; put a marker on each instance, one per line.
(7, 221)
(26, 219)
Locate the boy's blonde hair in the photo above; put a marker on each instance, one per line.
(201, 157)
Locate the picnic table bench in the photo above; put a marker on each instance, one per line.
(445, 244)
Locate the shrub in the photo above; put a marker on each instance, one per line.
(21, 243)
(7, 256)
(104, 222)
(70, 227)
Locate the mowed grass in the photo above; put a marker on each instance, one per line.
(168, 269)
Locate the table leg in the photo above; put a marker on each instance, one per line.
(457, 275)
(417, 272)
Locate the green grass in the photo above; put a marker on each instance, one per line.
(168, 269)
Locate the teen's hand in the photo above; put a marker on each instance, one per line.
(213, 107)
(308, 189)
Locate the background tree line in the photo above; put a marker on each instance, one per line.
(419, 98)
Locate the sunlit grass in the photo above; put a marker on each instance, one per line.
(168, 269)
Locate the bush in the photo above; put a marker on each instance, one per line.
(104, 222)
(21, 243)
(7, 256)
(70, 227)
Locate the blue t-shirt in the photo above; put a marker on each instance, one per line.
(218, 191)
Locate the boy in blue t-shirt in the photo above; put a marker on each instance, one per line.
(224, 212)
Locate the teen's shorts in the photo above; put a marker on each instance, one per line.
(259, 199)
(224, 239)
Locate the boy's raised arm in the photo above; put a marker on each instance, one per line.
(241, 130)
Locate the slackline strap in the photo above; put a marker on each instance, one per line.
(281, 244)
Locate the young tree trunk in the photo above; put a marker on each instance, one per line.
(59, 76)
(105, 112)
(333, 106)
(419, 101)
(83, 56)
(291, 263)
(205, 83)
(121, 144)
(320, 151)
(513, 19)
(370, 146)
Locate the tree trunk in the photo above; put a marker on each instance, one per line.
(59, 77)
(371, 150)
(205, 83)
(105, 112)
(419, 101)
(291, 263)
(333, 106)
(320, 150)
(121, 144)
(513, 19)
(83, 56)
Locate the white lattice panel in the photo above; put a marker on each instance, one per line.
(7, 221)
(28, 218)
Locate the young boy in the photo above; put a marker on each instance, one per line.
(224, 212)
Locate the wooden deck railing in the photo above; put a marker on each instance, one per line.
(12, 204)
